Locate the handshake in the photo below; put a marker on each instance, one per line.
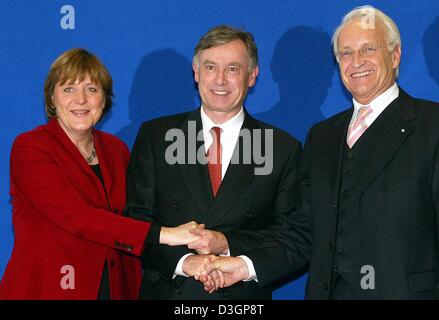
(211, 265)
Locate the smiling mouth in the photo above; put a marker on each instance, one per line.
(80, 112)
(220, 92)
(361, 74)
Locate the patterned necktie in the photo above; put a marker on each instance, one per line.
(357, 128)
(214, 160)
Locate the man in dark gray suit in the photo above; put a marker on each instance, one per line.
(205, 165)
(370, 183)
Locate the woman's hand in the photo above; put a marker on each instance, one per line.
(181, 235)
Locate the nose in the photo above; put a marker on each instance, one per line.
(81, 97)
(220, 78)
(357, 59)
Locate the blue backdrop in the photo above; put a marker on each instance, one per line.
(147, 46)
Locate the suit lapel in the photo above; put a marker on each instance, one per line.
(75, 166)
(386, 134)
(195, 175)
(106, 163)
(237, 178)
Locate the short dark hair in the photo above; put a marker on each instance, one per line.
(223, 34)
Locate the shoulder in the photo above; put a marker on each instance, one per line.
(34, 137)
(167, 122)
(280, 136)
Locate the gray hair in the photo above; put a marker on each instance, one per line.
(369, 15)
(223, 34)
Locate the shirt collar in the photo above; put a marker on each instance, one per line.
(233, 123)
(379, 103)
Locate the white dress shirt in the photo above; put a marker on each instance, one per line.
(378, 105)
(229, 136)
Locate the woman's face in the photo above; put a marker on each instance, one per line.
(79, 105)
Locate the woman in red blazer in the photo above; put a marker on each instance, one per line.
(68, 194)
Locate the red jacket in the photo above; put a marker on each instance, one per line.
(63, 219)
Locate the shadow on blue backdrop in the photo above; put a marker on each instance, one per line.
(163, 84)
(302, 66)
(431, 49)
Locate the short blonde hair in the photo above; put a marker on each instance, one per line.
(72, 65)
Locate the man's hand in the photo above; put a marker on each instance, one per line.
(209, 242)
(180, 235)
(195, 265)
(231, 270)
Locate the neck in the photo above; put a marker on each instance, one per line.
(83, 141)
(219, 117)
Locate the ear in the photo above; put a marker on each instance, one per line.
(253, 75)
(196, 70)
(396, 57)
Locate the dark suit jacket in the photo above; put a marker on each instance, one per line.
(63, 216)
(397, 207)
(174, 194)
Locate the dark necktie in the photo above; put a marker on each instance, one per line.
(214, 160)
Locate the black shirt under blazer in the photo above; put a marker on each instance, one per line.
(246, 204)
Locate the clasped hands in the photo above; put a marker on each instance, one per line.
(209, 266)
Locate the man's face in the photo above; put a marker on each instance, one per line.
(367, 77)
(223, 79)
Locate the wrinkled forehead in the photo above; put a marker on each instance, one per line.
(233, 51)
(361, 31)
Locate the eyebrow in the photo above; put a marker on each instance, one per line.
(364, 44)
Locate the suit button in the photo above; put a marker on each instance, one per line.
(124, 245)
(250, 215)
(116, 211)
(130, 247)
(117, 244)
(341, 231)
(348, 173)
(345, 193)
(325, 286)
(112, 263)
(350, 154)
(179, 291)
(341, 251)
(223, 294)
(176, 206)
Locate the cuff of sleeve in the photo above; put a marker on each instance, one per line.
(153, 236)
(251, 269)
(179, 268)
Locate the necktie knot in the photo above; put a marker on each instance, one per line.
(363, 112)
(216, 133)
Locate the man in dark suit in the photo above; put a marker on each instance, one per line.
(370, 183)
(216, 165)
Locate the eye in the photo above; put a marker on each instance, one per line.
(210, 67)
(92, 89)
(68, 89)
(369, 50)
(345, 54)
(233, 68)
